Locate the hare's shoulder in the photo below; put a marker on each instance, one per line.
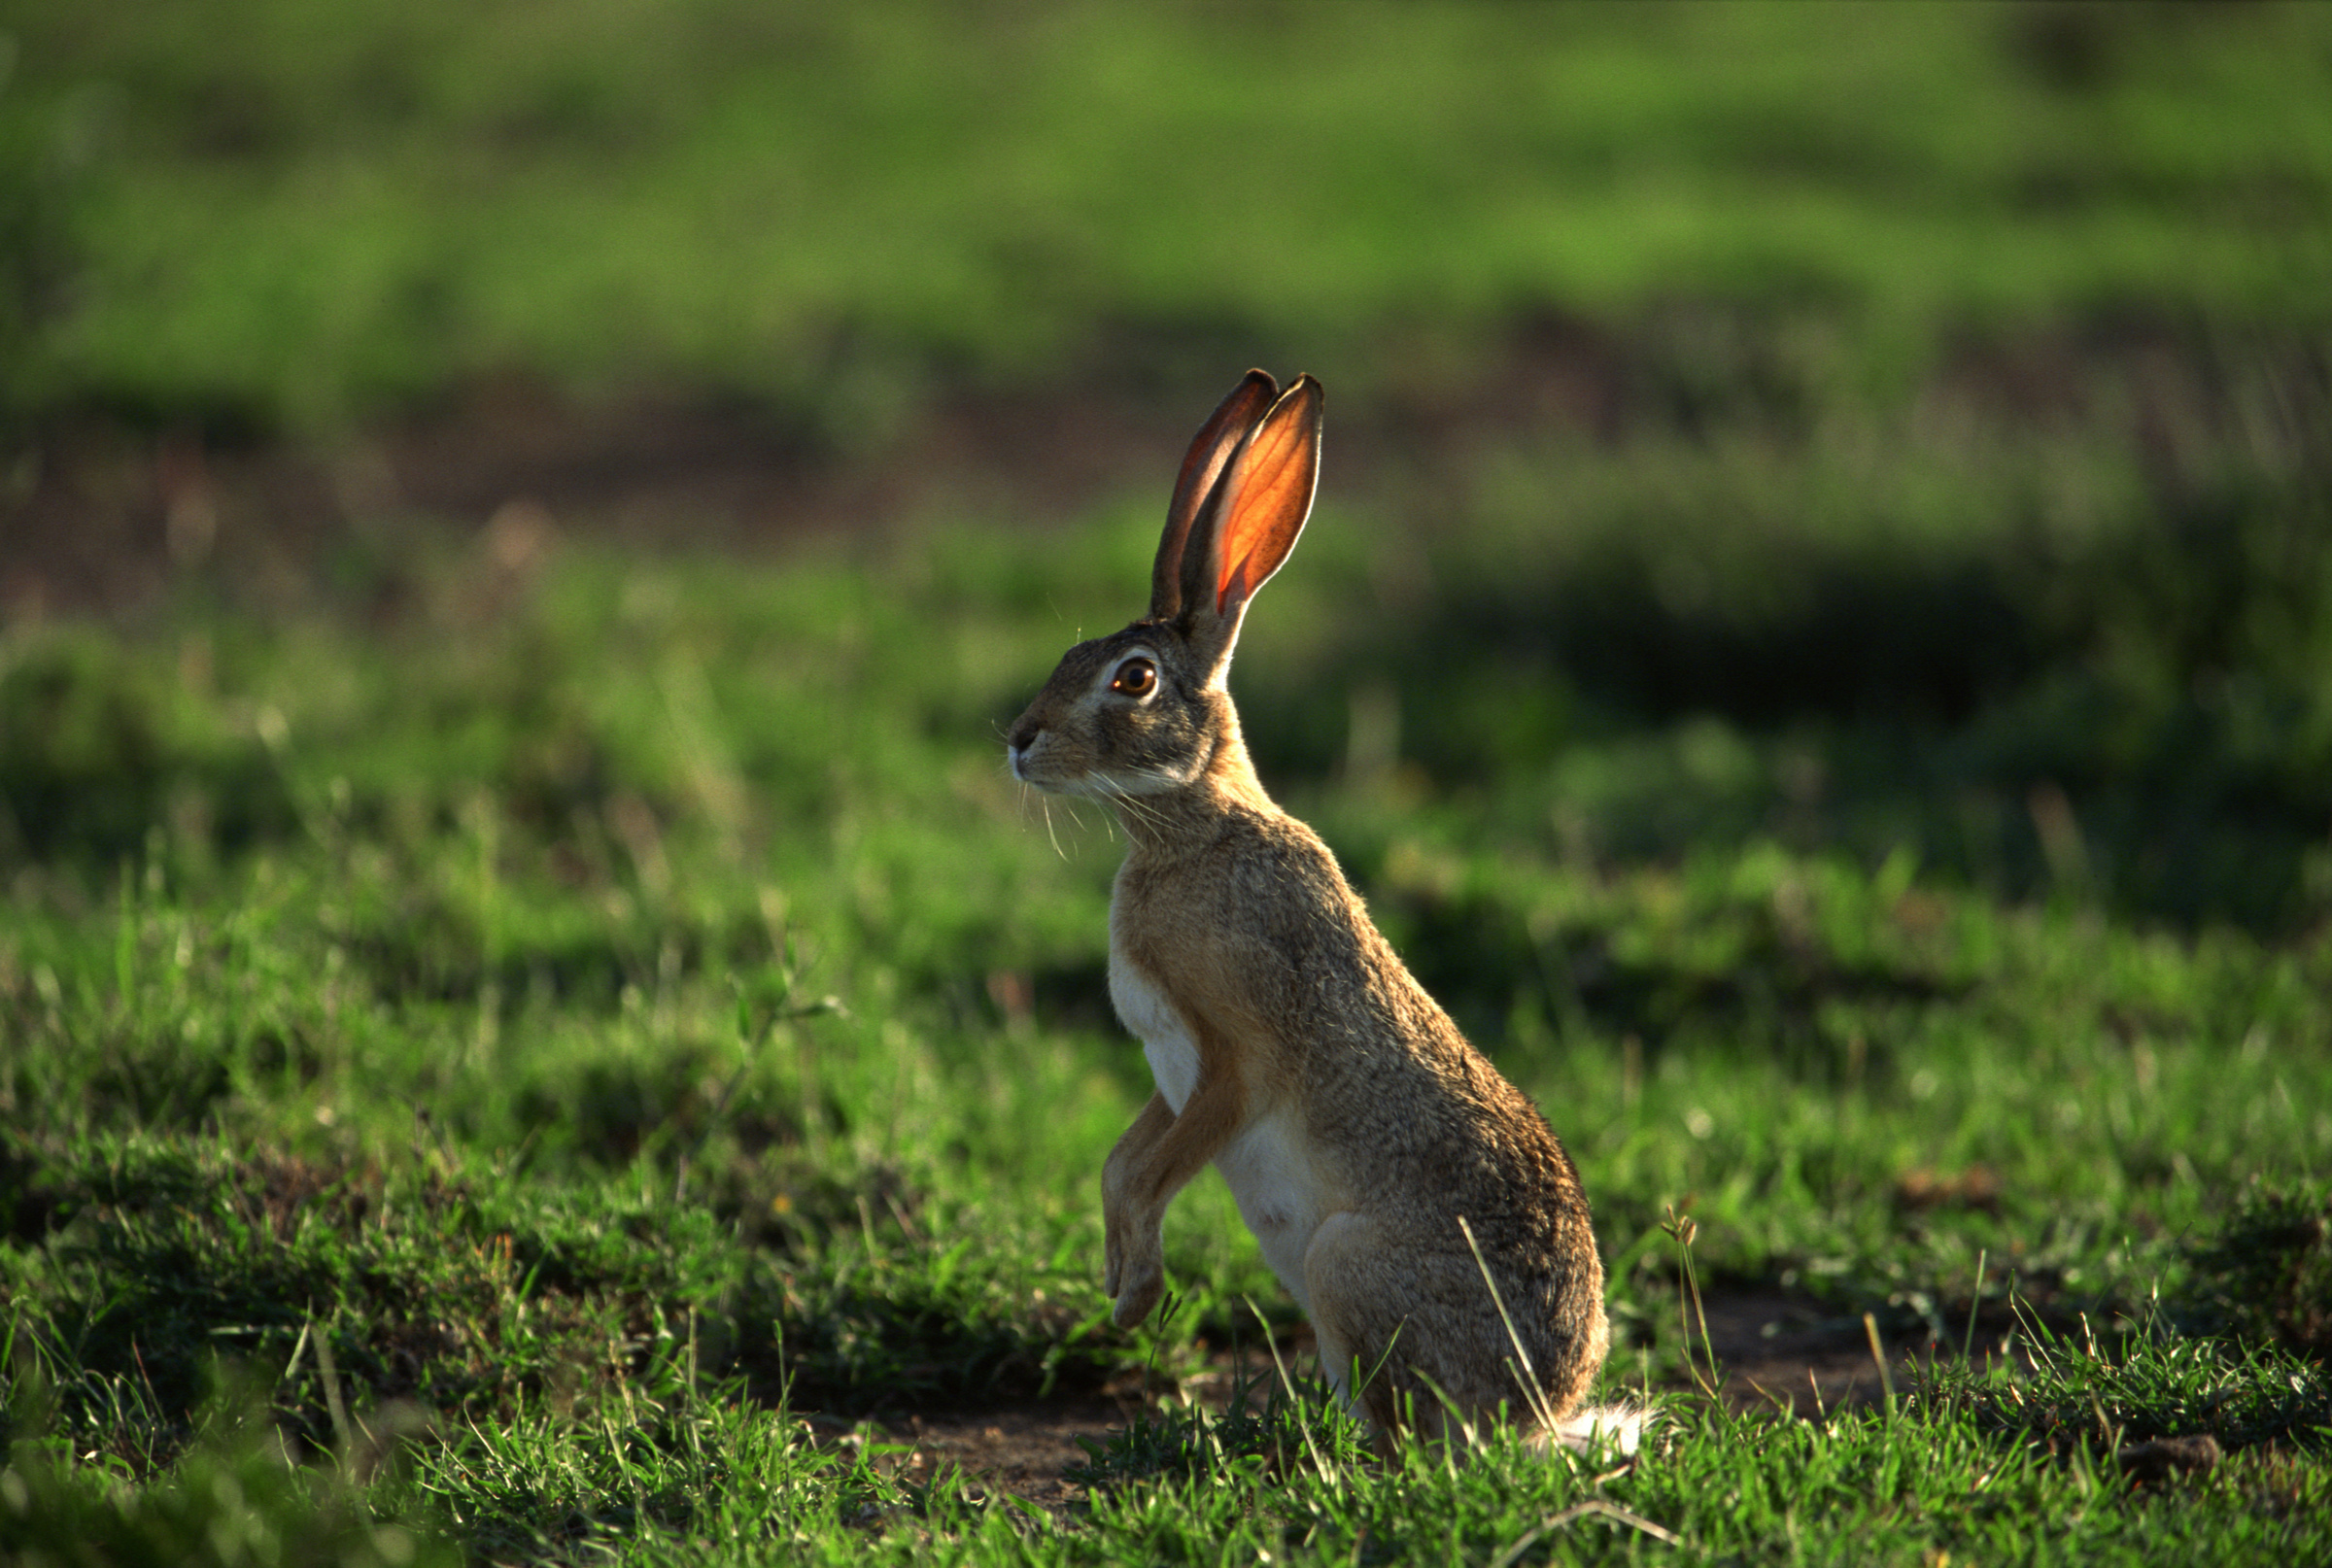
(1266, 891)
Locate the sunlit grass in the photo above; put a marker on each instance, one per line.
(521, 1057)
(647, 1010)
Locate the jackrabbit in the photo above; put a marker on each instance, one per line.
(1391, 1173)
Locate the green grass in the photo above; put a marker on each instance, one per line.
(280, 213)
(621, 1011)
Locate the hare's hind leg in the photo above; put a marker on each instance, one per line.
(1413, 1338)
(1359, 1304)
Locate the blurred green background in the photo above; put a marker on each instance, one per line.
(1879, 425)
(289, 216)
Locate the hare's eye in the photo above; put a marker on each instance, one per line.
(1136, 677)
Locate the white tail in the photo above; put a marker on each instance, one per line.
(1611, 1428)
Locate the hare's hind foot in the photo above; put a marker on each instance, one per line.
(1414, 1341)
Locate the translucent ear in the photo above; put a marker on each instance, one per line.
(1250, 522)
(1202, 469)
(1266, 496)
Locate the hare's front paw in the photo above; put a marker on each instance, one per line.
(1136, 1291)
(1134, 1274)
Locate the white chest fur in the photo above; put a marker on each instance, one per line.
(1270, 1175)
(1266, 1163)
(1165, 1038)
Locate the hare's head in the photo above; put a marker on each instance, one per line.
(1145, 710)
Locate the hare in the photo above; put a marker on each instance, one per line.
(1391, 1175)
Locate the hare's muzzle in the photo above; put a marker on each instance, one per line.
(1024, 736)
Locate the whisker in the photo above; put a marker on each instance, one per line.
(1139, 809)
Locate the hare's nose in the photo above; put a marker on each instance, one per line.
(1024, 734)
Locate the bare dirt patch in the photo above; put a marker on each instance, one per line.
(108, 512)
(108, 517)
(1791, 1352)
(1021, 1449)
(1776, 1350)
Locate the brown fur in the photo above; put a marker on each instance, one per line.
(1347, 1109)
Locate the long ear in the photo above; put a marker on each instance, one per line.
(1249, 523)
(1202, 467)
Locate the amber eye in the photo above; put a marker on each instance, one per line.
(1136, 677)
